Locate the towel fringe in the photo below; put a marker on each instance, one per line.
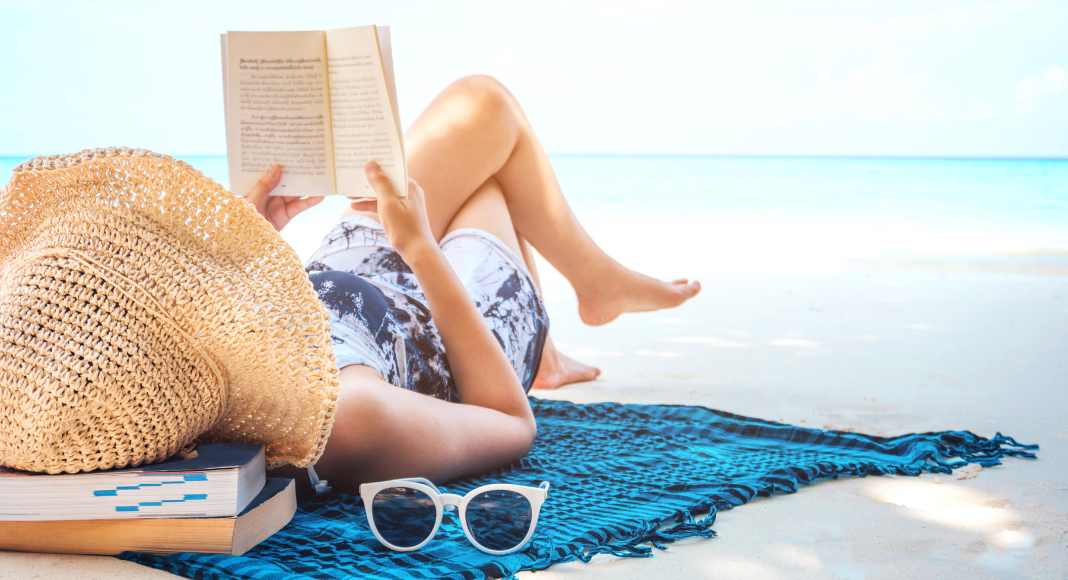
(964, 445)
(657, 533)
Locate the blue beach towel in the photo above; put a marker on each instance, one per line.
(625, 479)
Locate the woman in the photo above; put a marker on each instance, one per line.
(490, 194)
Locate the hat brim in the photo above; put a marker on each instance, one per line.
(225, 276)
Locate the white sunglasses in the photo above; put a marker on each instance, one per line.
(405, 514)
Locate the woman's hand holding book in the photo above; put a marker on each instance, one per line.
(278, 209)
(404, 219)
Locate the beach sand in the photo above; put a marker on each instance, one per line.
(879, 348)
(883, 348)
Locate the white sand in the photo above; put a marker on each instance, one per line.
(885, 351)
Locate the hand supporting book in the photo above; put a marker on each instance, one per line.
(319, 104)
(277, 209)
(404, 219)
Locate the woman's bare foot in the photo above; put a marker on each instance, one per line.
(629, 291)
(558, 369)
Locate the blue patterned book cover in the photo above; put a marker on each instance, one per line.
(219, 481)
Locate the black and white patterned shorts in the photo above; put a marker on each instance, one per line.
(379, 316)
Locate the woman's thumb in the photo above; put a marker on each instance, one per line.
(379, 181)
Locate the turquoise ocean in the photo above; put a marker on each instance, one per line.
(731, 215)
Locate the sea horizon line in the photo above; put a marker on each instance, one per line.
(887, 157)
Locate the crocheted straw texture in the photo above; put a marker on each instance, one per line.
(143, 307)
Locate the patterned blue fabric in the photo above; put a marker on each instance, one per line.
(625, 478)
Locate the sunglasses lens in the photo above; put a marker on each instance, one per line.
(403, 516)
(499, 520)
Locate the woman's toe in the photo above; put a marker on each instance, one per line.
(688, 290)
(588, 374)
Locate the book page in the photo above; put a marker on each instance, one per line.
(385, 47)
(365, 122)
(278, 111)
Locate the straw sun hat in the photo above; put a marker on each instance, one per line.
(144, 307)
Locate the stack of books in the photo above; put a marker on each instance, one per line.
(219, 501)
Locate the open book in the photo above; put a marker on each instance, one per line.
(320, 104)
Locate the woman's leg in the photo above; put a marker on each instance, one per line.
(487, 210)
(557, 369)
(475, 130)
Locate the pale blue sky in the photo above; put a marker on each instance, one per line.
(966, 78)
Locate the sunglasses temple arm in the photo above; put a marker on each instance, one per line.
(320, 485)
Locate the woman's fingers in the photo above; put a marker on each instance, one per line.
(266, 184)
(364, 204)
(295, 205)
(275, 212)
(280, 210)
(414, 189)
(379, 182)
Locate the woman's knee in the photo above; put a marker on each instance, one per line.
(487, 95)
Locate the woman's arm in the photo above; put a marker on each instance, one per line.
(383, 432)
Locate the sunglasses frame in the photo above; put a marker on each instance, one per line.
(535, 495)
